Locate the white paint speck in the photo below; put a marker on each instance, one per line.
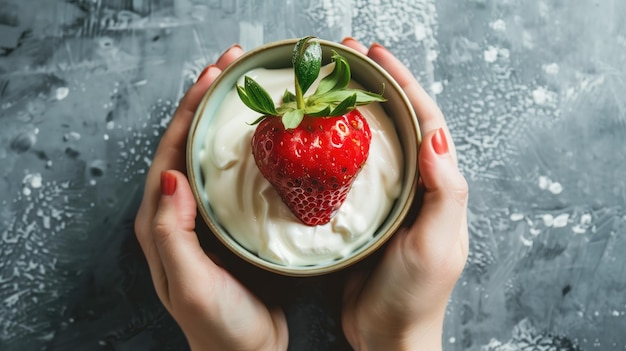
(62, 93)
(420, 31)
(544, 182)
(46, 222)
(585, 219)
(491, 54)
(548, 220)
(555, 188)
(436, 88)
(525, 242)
(516, 217)
(33, 179)
(26, 191)
(561, 220)
(551, 68)
(542, 96)
(498, 25)
(452, 340)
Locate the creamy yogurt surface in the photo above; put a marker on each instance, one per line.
(249, 208)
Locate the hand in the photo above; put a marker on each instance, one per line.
(400, 305)
(212, 308)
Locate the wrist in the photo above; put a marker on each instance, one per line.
(414, 339)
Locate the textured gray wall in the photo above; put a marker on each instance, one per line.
(533, 92)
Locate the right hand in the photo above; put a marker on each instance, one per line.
(400, 305)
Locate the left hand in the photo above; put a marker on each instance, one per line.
(214, 310)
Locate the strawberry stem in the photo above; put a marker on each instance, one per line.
(300, 104)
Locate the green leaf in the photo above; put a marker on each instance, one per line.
(291, 119)
(338, 78)
(337, 96)
(288, 97)
(243, 95)
(307, 61)
(284, 108)
(258, 120)
(317, 110)
(259, 97)
(322, 113)
(346, 105)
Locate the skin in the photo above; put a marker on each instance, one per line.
(399, 305)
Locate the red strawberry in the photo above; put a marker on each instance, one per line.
(311, 148)
(313, 165)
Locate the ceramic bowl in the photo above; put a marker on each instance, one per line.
(364, 71)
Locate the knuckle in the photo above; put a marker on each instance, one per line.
(460, 191)
(161, 231)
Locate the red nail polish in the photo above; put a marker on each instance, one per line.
(375, 45)
(440, 143)
(227, 50)
(204, 72)
(168, 183)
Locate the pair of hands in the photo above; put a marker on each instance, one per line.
(399, 305)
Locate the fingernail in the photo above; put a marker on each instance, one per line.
(375, 45)
(349, 39)
(440, 143)
(168, 183)
(206, 71)
(227, 50)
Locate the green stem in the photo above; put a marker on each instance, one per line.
(299, 96)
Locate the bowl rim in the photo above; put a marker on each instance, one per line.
(328, 267)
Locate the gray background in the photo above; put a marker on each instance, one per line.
(533, 92)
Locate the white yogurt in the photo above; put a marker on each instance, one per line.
(251, 210)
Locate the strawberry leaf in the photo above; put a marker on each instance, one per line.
(255, 97)
(291, 119)
(338, 78)
(288, 97)
(307, 61)
(319, 110)
(348, 104)
(337, 96)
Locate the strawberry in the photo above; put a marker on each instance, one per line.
(311, 148)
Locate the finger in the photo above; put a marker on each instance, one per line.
(441, 226)
(173, 231)
(169, 155)
(428, 113)
(354, 44)
(229, 55)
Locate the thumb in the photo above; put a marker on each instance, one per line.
(442, 220)
(173, 227)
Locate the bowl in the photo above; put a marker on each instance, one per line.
(367, 73)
